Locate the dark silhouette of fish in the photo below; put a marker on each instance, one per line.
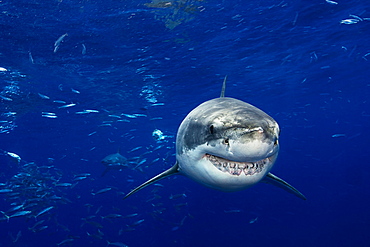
(114, 162)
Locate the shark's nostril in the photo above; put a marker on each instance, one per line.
(211, 129)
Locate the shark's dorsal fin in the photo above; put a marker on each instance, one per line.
(173, 170)
(223, 88)
(274, 180)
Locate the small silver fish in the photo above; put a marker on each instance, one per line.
(48, 113)
(112, 216)
(14, 156)
(75, 91)
(44, 211)
(119, 244)
(92, 133)
(39, 229)
(131, 215)
(156, 118)
(58, 41)
(20, 213)
(43, 96)
(15, 208)
(30, 58)
(101, 191)
(349, 21)
(129, 115)
(6, 98)
(79, 178)
(83, 49)
(137, 222)
(134, 149)
(63, 184)
(50, 116)
(253, 220)
(67, 106)
(86, 111)
(105, 125)
(338, 135)
(82, 175)
(68, 240)
(140, 163)
(177, 196)
(59, 101)
(6, 190)
(37, 224)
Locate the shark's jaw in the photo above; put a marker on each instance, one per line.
(225, 174)
(239, 168)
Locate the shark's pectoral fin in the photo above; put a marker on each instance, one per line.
(272, 179)
(173, 170)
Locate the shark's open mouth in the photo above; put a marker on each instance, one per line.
(237, 168)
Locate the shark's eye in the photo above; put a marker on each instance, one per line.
(226, 141)
(211, 129)
(276, 142)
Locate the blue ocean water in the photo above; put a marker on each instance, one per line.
(84, 79)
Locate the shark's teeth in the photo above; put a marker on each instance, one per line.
(237, 168)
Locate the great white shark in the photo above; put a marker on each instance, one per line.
(114, 162)
(228, 145)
